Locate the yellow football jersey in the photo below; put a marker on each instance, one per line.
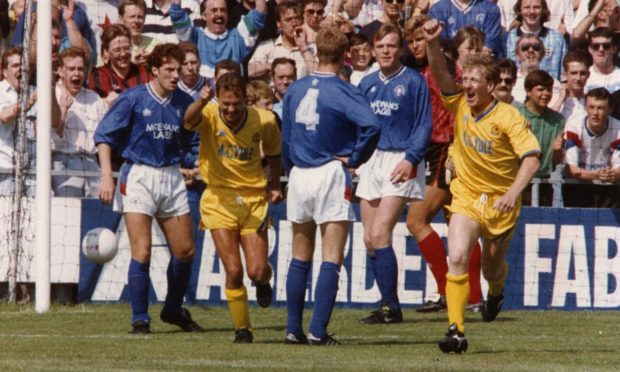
(232, 158)
(487, 147)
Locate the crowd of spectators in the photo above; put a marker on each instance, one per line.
(559, 61)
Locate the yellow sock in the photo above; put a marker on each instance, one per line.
(239, 307)
(457, 294)
(496, 288)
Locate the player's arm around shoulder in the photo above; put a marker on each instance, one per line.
(194, 113)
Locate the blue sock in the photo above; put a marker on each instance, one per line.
(139, 284)
(296, 295)
(372, 263)
(324, 298)
(178, 279)
(387, 276)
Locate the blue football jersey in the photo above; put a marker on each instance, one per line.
(483, 14)
(145, 128)
(402, 105)
(324, 116)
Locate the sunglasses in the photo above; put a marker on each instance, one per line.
(508, 81)
(526, 47)
(312, 12)
(395, 1)
(597, 46)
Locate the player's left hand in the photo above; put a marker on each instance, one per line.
(505, 203)
(404, 171)
(275, 196)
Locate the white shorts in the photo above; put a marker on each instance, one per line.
(157, 192)
(322, 194)
(375, 178)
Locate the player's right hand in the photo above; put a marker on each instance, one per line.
(344, 160)
(106, 189)
(206, 93)
(432, 28)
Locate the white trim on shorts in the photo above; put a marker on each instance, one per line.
(156, 192)
(320, 194)
(375, 181)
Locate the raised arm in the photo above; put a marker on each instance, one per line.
(580, 31)
(261, 6)
(193, 114)
(436, 59)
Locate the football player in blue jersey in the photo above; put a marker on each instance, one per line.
(145, 124)
(400, 100)
(327, 127)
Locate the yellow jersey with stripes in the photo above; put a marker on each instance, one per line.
(487, 147)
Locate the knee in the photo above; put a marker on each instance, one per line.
(258, 272)
(415, 225)
(234, 275)
(458, 263)
(185, 253)
(142, 256)
(378, 237)
(368, 242)
(141, 253)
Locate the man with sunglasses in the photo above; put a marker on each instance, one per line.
(392, 9)
(313, 14)
(603, 73)
(530, 51)
(507, 80)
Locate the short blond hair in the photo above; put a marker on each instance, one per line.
(486, 63)
(331, 45)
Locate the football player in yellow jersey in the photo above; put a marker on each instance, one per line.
(495, 156)
(234, 205)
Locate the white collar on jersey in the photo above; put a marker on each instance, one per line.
(156, 97)
(213, 36)
(385, 79)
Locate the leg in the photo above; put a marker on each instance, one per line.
(367, 211)
(463, 232)
(256, 252)
(334, 237)
(227, 246)
(180, 238)
(475, 294)
(297, 279)
(495, 270)
(462, 235)
(139, 231)
(419, 217)
(384, 217)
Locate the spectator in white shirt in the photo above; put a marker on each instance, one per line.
(572, 93)
(73, 147)
(603, 73)
(292, 43)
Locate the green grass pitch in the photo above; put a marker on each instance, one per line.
(95, 337)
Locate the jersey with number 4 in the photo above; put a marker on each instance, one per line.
(323, 117)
